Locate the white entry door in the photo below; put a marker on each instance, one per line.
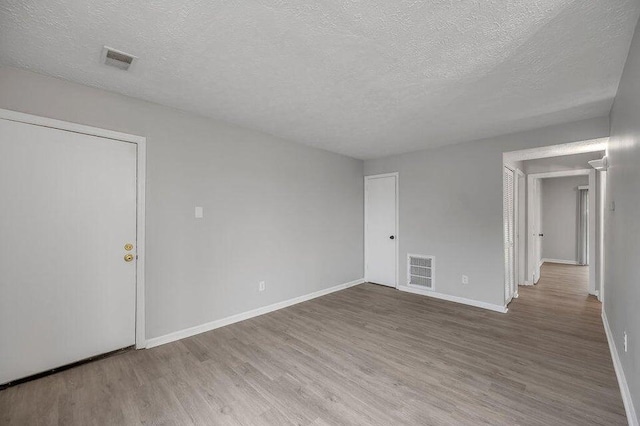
(67, 292)
(380, 227)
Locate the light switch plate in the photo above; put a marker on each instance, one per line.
(199, 212)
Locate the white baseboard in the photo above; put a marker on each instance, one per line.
(632, 416)
(192, 331)
(562, 261)
(457, 299)
(527, 283)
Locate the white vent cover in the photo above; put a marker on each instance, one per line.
(420, 271)
(116, 58)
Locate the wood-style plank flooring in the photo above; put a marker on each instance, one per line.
(367, 355)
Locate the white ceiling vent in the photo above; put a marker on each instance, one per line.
(420, 271)
(116, 58)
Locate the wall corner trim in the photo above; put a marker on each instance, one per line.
(202, 328)
(632, 416)
(456, 299)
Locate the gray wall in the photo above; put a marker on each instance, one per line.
(451, 205)
(560, 217)
(273, 210)
(622, 231)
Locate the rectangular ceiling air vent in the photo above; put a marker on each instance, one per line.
(420, 271)
(116, 58)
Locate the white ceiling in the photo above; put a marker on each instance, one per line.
(362, 78)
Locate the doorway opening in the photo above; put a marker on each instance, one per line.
(554, 214)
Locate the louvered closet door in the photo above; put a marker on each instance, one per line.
(508, 216)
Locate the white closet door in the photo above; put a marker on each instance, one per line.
(509, 233)
(380, 199)
(68, 210)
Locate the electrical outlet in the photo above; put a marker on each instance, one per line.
(465, 279)
(262, 286)
(626, 342)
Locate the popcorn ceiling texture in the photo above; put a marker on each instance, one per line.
(362, 78)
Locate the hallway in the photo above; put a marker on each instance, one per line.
(564, 321)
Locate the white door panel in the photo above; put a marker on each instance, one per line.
(380, 193)
(69, 207)
(537, 221)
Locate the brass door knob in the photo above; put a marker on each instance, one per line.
(128, 257)
(128, 247)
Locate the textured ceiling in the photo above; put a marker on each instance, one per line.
(362, 78)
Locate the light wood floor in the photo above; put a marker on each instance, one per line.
(366, 355)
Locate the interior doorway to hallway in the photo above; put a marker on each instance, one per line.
(561, 215)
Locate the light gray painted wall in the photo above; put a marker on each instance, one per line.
(451, 205)
(273, 210)
(622, 231)
(560, 217)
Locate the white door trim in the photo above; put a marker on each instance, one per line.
(592, 219)
(520, 268)
(397, 235)
(141, 156)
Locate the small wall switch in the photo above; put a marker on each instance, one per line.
(465, 279)
(626, 342)
(199, 212)
(612, 206)
(262, 286)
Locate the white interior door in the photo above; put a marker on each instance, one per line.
(509, 233)
(537, 228)
(68, 209)
(380, 223)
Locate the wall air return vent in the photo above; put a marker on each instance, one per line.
(116, 58)
(420, 271)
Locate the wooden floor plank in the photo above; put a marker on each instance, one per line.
(366, 355)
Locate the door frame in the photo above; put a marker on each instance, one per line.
(593, 260)
(397, 224)
(520, 267)
(602, 212)
(141, 156)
